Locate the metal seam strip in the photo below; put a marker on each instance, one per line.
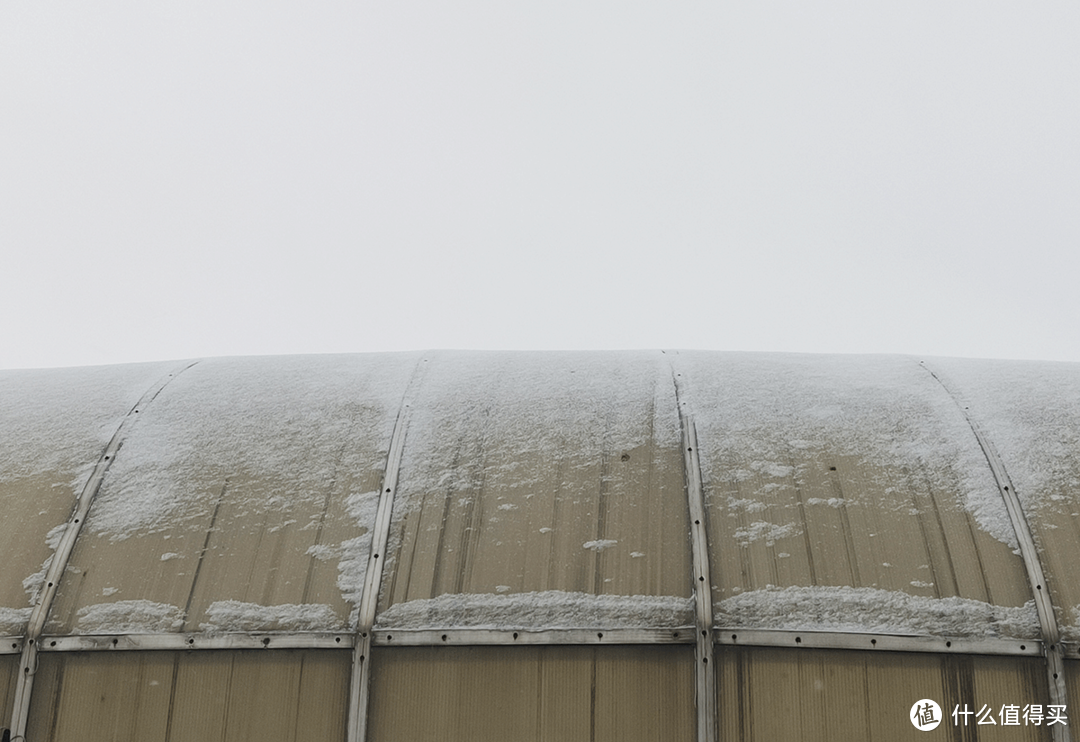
(705, 675)
(453, 636)
(1054, 652)
(360, 683)
(25, 682)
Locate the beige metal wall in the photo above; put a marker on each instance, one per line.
(1031, 414)
(529, 473)
(245, 696)
(9, 672)
(549, 694)
(849, 493)
(241, 500)
(536, 491)
(771, 694)
(54, 425)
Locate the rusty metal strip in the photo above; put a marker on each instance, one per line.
(705, 674)
(39, 614)
(1054, 652)
(360, 683)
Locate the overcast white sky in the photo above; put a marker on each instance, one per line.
(220, 177)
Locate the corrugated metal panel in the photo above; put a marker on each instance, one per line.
(550, 694)
(531, 476)
(848, 493)
(1031, 414)
(241, 500)
(1072, 681)
(256, 696)
(770, 694)
(9, 673)
(54, 425)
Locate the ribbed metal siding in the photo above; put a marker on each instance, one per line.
(9, 671)
(247, 696)
(235, 484)
(540, 472)
(806, 694)
(55, 425)
(526, 694)
(1031, 413)
(832, 471)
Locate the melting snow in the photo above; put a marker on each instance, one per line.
(550, 609)
(766, 416)
(769, 532)
(233, 615)
(13, 621)
(129, 617)
(599, 545)
(874, 611)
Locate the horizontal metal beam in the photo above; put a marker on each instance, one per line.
(170, 642)
(506, 637)
(730, 636)
(881, 642)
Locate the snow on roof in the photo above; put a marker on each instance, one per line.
(254, 472)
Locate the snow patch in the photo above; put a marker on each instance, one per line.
(600, 544)
(234, 615)
(323, 552)
(129, 617)
(352, 567)
(1071, 632)
(757, 413)
(169, 555)
(13, 621)
(550, 609)
(770, 532)
(872, 610)
(832, 502)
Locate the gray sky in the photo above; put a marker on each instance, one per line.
(201, 178)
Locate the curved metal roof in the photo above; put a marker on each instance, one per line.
(915, 503)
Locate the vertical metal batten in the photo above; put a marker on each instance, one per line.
(25, 683)
(1055, 663)
(705, 673)
(360, 683)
